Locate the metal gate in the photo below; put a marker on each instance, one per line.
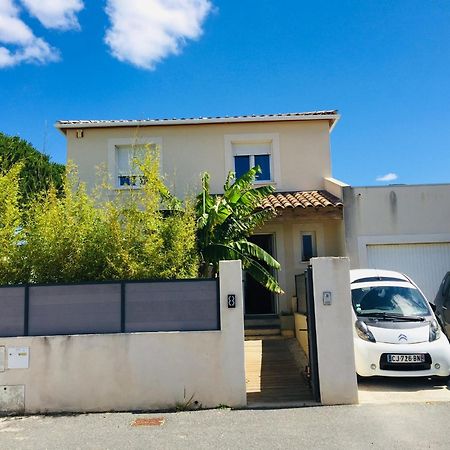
(312, 337)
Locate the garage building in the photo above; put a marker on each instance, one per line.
(405, 228)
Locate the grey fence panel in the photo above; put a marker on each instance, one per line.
(172, 306)
(74, 309)
(12, 311)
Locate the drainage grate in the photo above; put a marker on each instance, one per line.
(149, 422)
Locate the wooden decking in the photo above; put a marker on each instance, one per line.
(273, 372)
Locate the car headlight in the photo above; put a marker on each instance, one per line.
(435, 331)
(362, 330)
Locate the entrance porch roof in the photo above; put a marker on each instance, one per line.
(302, 199)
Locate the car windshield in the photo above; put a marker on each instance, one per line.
(395, 300)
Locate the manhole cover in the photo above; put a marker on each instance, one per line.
(148, 422)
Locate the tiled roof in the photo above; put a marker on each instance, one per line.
(301, 199)
(331, 114)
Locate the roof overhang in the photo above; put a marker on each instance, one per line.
(332, 116)
(302, 199)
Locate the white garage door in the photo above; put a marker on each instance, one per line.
(426, 264)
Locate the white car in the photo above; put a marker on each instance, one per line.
(396, 333)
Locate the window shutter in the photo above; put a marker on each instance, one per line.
(252, 148)
(123, 161)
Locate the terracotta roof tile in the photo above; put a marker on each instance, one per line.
(301, 199)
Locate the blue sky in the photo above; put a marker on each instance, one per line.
(385, 64)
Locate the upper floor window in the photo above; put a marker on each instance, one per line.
(128, 172)
(248, 155)
(124, 155)
(244, 151)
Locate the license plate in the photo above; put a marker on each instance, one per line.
(414, 358)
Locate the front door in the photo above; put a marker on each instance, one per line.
(259, 300)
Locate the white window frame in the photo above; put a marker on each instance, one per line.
(254, 138)
(113, 145)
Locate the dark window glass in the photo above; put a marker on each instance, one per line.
(263, 161)
(307, 247)
(402, 301)
(124, 180)
(241, 165)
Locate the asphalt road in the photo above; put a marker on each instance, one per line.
(395, 426)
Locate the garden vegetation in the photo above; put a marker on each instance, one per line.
(62, 233)
(74, 236)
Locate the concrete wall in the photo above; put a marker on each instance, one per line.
(136, 371)
(334, 326)
(187, 151)
(394, 214)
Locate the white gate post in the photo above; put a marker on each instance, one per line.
(334, 327)
(232, 327)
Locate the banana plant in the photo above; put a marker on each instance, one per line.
(225, 221)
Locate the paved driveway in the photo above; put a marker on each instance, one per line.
(404, 390)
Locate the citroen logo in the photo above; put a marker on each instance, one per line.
(402, 337)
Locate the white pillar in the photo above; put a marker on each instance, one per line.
(334, 327)
(232, 327)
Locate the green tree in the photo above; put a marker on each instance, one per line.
(37, 173)
(226, 221)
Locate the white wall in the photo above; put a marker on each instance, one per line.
(334, 186)
(334, 329)
(136, 371)
(392, 215)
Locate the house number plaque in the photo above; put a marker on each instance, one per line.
(231, 298)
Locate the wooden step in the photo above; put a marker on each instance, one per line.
(274, 337)
(262, 322)
(262, 331)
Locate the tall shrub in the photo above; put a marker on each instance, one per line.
(65, 235)
(12, 264)
(130, 234)
(154, 233)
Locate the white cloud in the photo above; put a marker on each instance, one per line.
(144, 32)
(22, 44)
(388, 177)
(60, 14)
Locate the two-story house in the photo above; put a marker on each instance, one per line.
(293, 151)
